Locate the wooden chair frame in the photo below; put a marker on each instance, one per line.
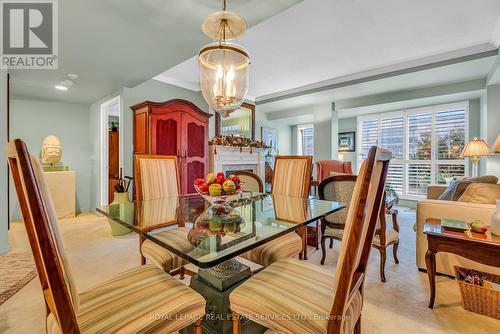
(254, 176)
(45, 250)
(351, 275)
(381, 232)
(303, 230)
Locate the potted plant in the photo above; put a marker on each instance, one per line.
(114, 126)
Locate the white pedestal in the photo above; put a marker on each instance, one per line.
(62, 187)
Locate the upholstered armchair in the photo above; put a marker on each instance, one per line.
(325, 167)
(340, 188)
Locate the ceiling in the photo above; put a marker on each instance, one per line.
(435, 76)
(317, 41)
(122, 43)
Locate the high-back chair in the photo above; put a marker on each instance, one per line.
(253, 183)
(304, 291)
(156, 177)
(291, 178)
(340, 188)
(106, 307)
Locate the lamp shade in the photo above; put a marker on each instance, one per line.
(224, 76)
(496, 146)
(476, 148)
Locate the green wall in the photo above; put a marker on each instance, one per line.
(33, 120)
(4, 245)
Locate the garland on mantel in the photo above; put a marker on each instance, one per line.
(235, 141)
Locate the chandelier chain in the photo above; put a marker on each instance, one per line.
(224, 5)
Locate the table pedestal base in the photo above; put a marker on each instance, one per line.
(215, 284)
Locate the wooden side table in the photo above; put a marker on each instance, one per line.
(480, 247)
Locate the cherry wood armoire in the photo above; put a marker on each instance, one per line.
(175, 127)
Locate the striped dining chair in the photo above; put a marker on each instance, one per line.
(156, 177)
(312, 298)
(124, 303)
(253, 183)
(291, 177)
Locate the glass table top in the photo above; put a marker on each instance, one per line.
(181, 225)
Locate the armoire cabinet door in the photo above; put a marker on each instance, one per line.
(166, 133)
(194, 151)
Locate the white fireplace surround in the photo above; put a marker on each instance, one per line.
(230, 158)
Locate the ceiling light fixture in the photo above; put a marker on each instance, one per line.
(66, 82)
(60, 87)
(224, 65)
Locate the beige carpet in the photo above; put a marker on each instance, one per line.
(16, 270)
(397, 306)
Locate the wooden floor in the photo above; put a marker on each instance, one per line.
(397, 306)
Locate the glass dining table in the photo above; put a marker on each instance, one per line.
(211, 243)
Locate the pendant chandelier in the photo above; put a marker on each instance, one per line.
(224, 65)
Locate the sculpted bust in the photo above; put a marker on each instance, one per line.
(51, 150)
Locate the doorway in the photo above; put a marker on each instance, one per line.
(111, 144)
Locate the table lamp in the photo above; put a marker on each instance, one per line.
(475, 149)
(496, 146)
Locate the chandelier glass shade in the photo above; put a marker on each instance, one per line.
(224, 76)
(224, 65)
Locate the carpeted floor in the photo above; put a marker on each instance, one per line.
(397, 306)
(16, 270)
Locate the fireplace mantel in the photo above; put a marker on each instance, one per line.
(230, 158)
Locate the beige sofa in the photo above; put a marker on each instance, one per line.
(433, 208)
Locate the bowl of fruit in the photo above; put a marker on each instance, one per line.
(217, 189)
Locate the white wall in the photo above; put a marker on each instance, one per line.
(33, 120)
(493, 126)
(4, 244)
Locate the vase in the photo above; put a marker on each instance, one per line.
(495, 220)
(124, 211)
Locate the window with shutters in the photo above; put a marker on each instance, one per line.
(305, 139)
(426, 144)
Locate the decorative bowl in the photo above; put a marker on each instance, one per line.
(224, 198)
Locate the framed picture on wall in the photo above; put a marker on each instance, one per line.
(347, 141)
(270, 137)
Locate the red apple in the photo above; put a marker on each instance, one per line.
(220, 179)
(203, 187)
(221, 174)
(236, 179)
(199, 182)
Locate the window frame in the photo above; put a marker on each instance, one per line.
(301, 127)
(406, 161)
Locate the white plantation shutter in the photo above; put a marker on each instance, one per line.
(419, 136)
(450, 133)
(448, 170)
(391, 135)
(426, 145)
(419, 177)
(395, 177)
(369, 137)
(306, 139)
